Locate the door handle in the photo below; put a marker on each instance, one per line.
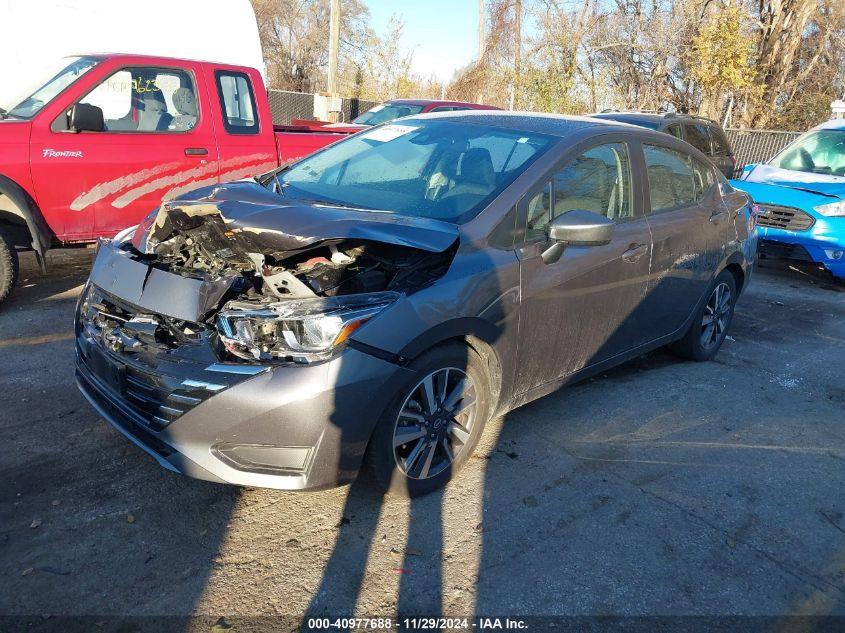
(634, 252)
(196, 151)
(717, 214)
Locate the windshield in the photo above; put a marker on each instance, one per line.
(422, 168)
(74, 68)
(387, 112)
(819, 152)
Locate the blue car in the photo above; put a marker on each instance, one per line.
(801, 195)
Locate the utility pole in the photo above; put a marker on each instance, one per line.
(517, 49)
(334, 48)
(480, 29)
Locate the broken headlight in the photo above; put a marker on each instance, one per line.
(298, 330)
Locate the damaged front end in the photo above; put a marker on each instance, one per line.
(267, 284)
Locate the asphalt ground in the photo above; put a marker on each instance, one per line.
(662, 487)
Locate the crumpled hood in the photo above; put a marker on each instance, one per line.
(271, 223)
(821, 184)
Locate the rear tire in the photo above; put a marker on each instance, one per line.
(8, 266)
(711, 322)
(440, 434)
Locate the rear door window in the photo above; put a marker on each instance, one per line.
(703, 178)
(721, 147)
(675, 130)
(698, 137)
(671, 181)
(237, 102)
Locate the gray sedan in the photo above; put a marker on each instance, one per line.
(376, 303)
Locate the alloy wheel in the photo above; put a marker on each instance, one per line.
(435, 423)
(717, 314)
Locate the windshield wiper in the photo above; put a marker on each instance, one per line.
(340, 205)
(278, 185)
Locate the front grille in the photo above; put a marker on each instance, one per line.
(158, 402)
(127, 369)
(777, 217)
(155, 399)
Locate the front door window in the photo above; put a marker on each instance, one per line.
(150, 100)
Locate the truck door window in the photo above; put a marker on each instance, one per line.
(237, 102)
(143, 99)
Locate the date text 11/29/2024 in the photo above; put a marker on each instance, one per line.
(439, 623)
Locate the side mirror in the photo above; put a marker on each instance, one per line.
(577, 228)
(85, 117)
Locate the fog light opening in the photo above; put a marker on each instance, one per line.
(264, 458)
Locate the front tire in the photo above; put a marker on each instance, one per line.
(710, 324)
(433, 424)
(8, 266)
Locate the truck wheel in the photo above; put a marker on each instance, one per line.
(8, 266)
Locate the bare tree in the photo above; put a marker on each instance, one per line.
(294, 37)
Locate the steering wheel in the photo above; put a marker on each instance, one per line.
(807, 161)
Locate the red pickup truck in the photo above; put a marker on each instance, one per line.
(101, 143)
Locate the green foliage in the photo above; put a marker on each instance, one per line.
(719, 58)
(548, 89)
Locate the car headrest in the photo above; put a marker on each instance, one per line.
(153, 101)
(477, 167)
(185, 102)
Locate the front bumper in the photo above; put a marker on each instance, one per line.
(821, 243)
(291, 427)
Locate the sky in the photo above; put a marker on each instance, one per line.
(443, 34)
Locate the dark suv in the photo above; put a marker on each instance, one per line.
(703, 134)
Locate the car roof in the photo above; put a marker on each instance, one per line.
(833, 124)
(540, 123)
(446, 102)
(644, 119)
(651, 119)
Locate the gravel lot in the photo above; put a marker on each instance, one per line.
(662, 487)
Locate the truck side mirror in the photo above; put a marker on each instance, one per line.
(85, 117)
(577, 228)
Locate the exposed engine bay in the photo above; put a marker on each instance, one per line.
(293, 293)
(196, 241)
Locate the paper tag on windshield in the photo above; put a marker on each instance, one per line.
(376, 108)
(388, 132)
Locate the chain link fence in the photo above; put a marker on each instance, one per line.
(749, 146)
(286, 106)
(757, 146)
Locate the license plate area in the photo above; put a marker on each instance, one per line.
(111, 374)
